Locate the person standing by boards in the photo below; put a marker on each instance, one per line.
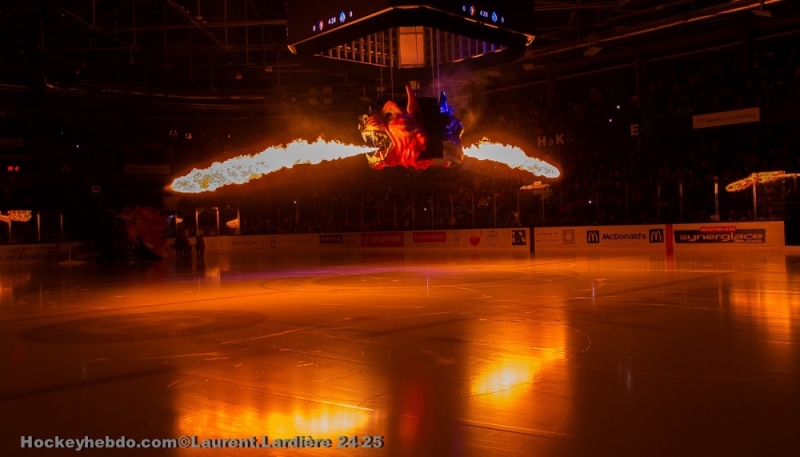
(200, 244)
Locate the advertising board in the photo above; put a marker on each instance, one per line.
(642, 237)
(382, 240)
(16, 254)
(740, 235)
(26, 253)
(499, 238)
(667, 238)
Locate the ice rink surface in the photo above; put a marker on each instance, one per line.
(423, 354)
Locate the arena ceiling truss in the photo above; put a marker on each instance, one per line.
(236, 50)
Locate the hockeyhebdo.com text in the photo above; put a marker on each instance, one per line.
(262, 442)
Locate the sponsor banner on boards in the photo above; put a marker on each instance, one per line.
(543, 237)
(382, 240)
(27, 253)
(721, 235)
(475, 238)
(511, 238)
(649, 235)
(739, 234)
(339, 240)
(669, 238)
(492, 238)
(302, 241)
(489, 239)
(519, 237)
(331, 239)
(259, 242)
(644, 236)
(467, 238)
(429, 237)
(237, 243)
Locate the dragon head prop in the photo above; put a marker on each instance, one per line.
(424, 134)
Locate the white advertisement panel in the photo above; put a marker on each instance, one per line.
(26, 253)
(236, 243)
(339, 240)
(666, 238)
(260, 242)
(737, 235)
(500, 238)
(15, 254)
(517, 238)
(655, 238)
(640, 237)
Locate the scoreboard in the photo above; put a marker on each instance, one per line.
(316, 25)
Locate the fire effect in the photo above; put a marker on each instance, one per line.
(16, 216)
(425, 133)
(760, 178)
(512, 156)
(243, 169)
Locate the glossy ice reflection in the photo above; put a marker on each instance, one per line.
(515, 364)
(439, 355)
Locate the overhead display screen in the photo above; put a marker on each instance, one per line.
(513, 15)
(308, 19)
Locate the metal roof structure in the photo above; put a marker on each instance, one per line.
(204, 51)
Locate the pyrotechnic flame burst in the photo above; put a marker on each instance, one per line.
(242, 169)
(761, 178)
(16, 215)
(512, 156)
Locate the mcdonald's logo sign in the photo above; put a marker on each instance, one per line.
(592, 236)
(656, 235)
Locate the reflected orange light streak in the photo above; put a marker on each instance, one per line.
(775, 309)
(243, 169)
(518, 363)
(513, 370)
